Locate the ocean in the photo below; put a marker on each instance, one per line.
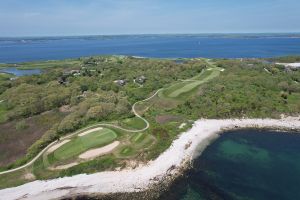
(15, 50)
(244, 165)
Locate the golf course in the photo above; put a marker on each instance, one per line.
(109, 144)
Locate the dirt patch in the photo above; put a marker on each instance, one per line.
(65, 109)
(54, 147)
(14, 142)
(99, 151)
(89, 131)
(162, 119)
(29, 176)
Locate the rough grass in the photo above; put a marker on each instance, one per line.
(3, 112)
(127, 151)
(81, 144)
(142, 140)
(15, 142)
(13, 179)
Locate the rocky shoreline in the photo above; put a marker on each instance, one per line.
(151, 180)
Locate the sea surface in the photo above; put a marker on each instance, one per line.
(14, 50)
(244, 165)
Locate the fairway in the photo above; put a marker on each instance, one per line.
(186, 86)
(134, 123)
(81, 144)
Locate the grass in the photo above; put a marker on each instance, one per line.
(93, 166)
(142, 140)
(175, 91)
(3, 112)
(13, 179)
(186, 86)
(127, 151)
(5, 76)
(79, 145)
(134, 123)
(137, 138)
(18, 135)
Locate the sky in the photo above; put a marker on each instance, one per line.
(105, 17)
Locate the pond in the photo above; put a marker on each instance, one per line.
(244, 164)
(20, 72)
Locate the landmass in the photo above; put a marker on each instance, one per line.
(108, 117)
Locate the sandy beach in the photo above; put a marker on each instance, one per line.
(168, 164)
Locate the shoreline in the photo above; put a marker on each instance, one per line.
(154, 176)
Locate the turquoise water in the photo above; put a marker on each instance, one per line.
(244, 165)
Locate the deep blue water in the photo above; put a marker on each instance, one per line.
(244, 165)
(19, 72)
(13, 50)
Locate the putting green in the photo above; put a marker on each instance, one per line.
(81, 144)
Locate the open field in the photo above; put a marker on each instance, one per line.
(17, 136)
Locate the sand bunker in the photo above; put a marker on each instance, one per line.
(54, 147)
(99, 151)
(90, 131)
(64, 166)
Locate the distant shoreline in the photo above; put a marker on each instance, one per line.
(266, 34)
(264, 45)
(156, 174)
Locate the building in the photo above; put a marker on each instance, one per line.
(140, 80)
(120, 82)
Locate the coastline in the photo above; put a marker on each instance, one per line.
(154, 176)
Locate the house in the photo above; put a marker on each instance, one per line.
(140, 80)
(62, 80)
(120, 82)
(13, 78)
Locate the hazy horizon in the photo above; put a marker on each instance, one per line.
(130, 17)
(150, 34)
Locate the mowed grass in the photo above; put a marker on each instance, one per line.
(81, 144)
(184, 87)
(134, 123)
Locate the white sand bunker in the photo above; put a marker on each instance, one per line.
(99, 151)
(64, 166)
(54, 147)
(90, 131)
